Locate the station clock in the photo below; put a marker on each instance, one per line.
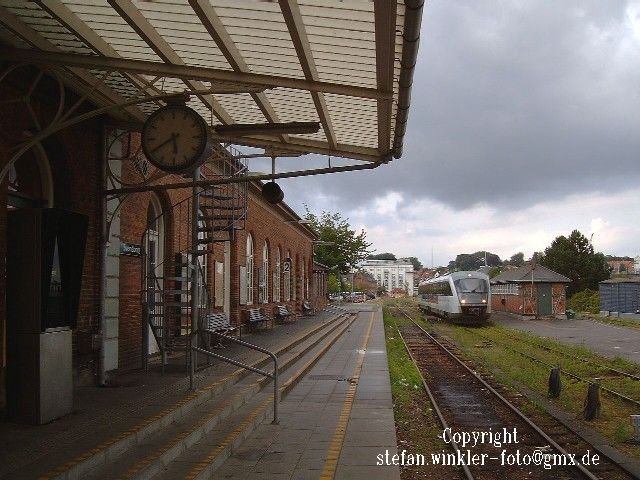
(175, 138)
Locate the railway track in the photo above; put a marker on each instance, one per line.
(603, 387)
(615, 371)
(490, 437)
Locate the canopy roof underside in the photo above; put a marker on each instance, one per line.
(345, 64)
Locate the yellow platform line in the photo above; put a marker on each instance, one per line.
(230, 438)
(335, 446)
(60, 469)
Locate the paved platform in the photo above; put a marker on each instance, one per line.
(609, 340)
(135, 399)
(335, 422)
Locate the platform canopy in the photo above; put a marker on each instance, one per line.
(347, 65)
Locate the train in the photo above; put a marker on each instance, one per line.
(459, 296)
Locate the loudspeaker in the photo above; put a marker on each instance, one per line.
(272, 192)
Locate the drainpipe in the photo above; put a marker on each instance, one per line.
(411, 42)
(195, 314)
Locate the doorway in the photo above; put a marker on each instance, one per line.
(544, 299)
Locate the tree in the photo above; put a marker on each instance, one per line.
(517, 259)
(473, 261)
(382, 256)
(333, 283)
(574, 257)
(417, 265)
(344, 248)
(363, 281)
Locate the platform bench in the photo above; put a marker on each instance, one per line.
(255, 317)
(215, 324)
(307, 309)
(282, 313)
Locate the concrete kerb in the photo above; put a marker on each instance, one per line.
(172, 451)
(265, 410)
(111, 449)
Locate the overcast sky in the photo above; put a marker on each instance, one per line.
(524, 125)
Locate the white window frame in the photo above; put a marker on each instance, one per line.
(249, 269)
(264, 280)
(303, 280)
(276, 277)
(287, 281)
(504, 289)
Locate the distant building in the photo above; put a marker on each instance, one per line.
(529, 290)
(620, 295)
(623, 266)
(391, 274)
(636, 264)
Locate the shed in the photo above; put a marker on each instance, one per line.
(620, 294)
(529, 290)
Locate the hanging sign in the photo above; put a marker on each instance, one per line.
(130, 249)
(286, 265)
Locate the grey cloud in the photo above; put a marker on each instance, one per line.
(513, 102)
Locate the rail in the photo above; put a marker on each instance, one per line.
(274, 375)
(562, 370)
(497, 394)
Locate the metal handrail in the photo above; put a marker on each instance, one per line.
(274, 375)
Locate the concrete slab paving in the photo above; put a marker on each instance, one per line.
(336, 421)
(609, 340)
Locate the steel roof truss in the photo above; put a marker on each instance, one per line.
(213, 25)
(130, 13)
(293, 19)
(385, 20)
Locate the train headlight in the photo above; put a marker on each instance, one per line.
(484, 300)
(463, 301)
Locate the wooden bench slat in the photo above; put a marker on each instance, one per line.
(255, 315)
(282, 312)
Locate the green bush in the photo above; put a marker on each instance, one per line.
(586, 300)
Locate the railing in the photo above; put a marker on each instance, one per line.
(274, 375)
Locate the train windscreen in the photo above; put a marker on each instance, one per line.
(472, 285)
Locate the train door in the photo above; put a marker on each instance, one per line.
(544, 299)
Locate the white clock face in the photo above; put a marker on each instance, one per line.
(174, 138)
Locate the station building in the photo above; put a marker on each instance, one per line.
(529, 290)
(106, 252)
(148, 241)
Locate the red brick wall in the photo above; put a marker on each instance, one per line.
(74, 158)
(133, 222)
(506, 303)
(526, 304)
(265, 222)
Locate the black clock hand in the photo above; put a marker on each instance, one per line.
(174, 137)
(168, 140)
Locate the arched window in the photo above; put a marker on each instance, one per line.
(249, 269)
(294, 280)
(308, 278)
(276, 278)
(303, 280)
(264, 274)
(287, 278)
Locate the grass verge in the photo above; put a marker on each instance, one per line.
(417, 429)
(502, 352)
